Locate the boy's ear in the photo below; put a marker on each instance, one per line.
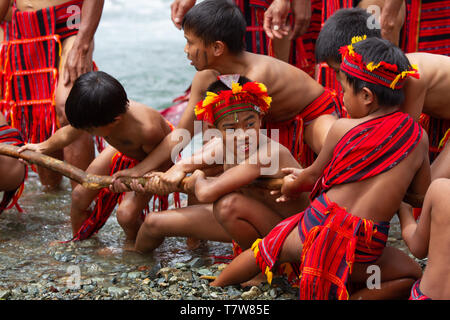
(367, 96)
(117, 119)
(218, 48)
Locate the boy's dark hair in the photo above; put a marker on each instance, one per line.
(217, 20)
(95, 99)
(376, 50)
(218, 85)
(338, 31)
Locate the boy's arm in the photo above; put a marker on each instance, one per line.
(209, 190)
(416, 235)
(304, 180)
(422, 179)
(60, 139)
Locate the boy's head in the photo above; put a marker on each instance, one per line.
(374, 70)
(235, 105)
(339, 30)
(210, 27)
(95, 100)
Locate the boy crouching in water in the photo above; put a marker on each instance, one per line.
(358, 182)
(233, 109)
(98, 104)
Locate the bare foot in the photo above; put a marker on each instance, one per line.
(255, 281)
(108, 251)
(193, 243)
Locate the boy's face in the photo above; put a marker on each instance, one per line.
(103, 131)
(196, 50)
(241, 132)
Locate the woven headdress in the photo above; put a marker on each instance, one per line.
(381, 73)
(252, 96)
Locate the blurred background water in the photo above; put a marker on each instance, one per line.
(137, 43)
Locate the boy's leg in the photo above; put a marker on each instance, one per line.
(82, 197)
(244, 267)
(397, 273)
(81, 152)
(129, 215)
(194, 221)
(244, 218)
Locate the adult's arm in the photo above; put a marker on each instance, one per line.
(78, 60)
(178, 9)
(4, 7)
(388, 19)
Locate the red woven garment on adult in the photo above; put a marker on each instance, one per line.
(370, 148)
(11, 136)
(29, 59)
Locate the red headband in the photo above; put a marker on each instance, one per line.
(382, 73)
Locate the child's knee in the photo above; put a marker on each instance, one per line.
(227, 208)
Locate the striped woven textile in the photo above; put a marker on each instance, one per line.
(11, 136)
(416, 294)
(370, 148)
(427, 27)
(302, 49)
(365, 243)
(291, 131)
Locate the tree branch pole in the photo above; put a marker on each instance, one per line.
(95, 182)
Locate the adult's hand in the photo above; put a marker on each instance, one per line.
(178, 9)
(301, 9)
(78, 62)
(275, 19)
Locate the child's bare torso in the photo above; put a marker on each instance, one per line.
(379, 197)
(435, 77)
(141, 131)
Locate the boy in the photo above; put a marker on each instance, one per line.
(12, 171)
(246, 155)
(425, 98)
(377, 154)
(214, 31)
(98, 104)
(428, 238)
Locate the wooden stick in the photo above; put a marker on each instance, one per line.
(95, 182)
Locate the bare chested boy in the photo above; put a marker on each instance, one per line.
(75, 22)
(246, 155)
(429, 238)
(379, 153)
(98, 104)
(426, 98)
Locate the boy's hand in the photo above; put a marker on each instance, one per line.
(36, 147)
(172, 178)
(191, 182)
(290, 187)
(117, 185)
